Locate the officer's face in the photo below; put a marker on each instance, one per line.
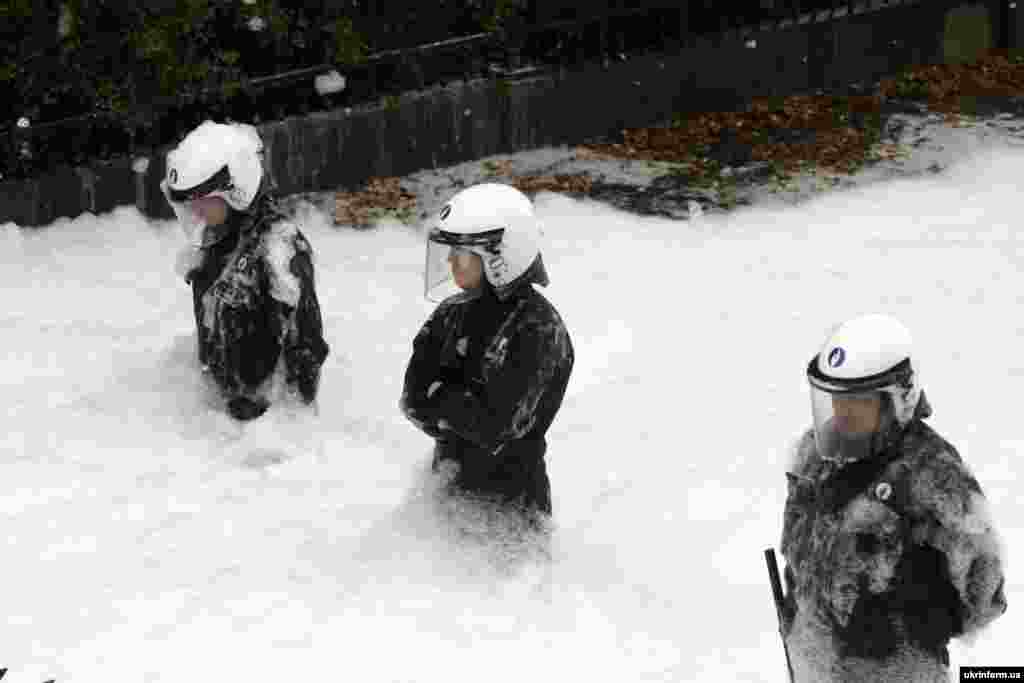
(210, 210)
(467, 268)
(857, 414)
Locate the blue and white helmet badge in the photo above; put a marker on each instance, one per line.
(837, 357)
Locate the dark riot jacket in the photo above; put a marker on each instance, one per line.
(255, 304)
(887, 559)
(503, 366)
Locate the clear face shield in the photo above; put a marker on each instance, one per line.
(192, 224)
(847, 425)
(853, 417)
(454, 263)
(183, 204)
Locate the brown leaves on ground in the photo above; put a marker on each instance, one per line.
(571, 183)
(835, 133)
(381, 196)
(949, 88)
(499, 168)
(385, 196)
(578, 183)
(830, 141)
(591, 154)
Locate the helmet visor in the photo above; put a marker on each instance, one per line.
(191, 225)
(443, 248)
(846, 423)
(219, 183)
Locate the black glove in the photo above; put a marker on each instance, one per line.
(303, 372)
(307, 383)
(442, 398)
(431, 430)
(788, 613)
(427, 426)
(242, 408)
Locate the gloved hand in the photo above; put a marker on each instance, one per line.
(307, 382)
(788, 613)
(431, 430)
(440, 395)
(242, 408)
(428, 427)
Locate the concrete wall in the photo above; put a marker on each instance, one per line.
(470, 120)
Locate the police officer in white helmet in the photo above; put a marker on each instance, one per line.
(490, 366)
(889, 548)
(258, 322)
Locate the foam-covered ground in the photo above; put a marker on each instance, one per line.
(147, 538)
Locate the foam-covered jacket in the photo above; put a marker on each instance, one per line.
(887, 559)
(255, 306)
(486, 378)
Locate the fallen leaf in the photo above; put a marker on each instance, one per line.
(381, 195)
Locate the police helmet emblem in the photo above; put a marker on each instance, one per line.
(836, 357)
(883, 491)
(446, 211)
(173, 175)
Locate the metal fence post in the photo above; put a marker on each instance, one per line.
(684, 22)
(1015, 23)
(371, 10)
(603, 50)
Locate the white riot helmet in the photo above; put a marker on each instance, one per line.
(214, 160)
(495, 222)
(864, 387)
